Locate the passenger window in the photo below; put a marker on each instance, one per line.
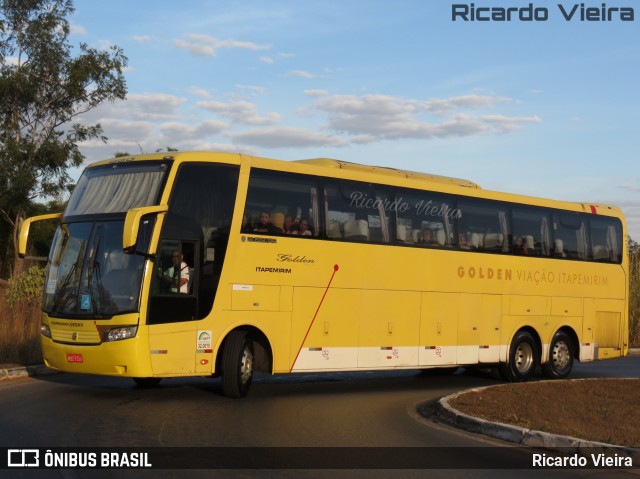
(424, 218)
(357, 212)
(282, 204)
(606, 239)
(530, 227)
(483, 226)
(569, 236)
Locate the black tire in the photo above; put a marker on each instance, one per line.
(523, 358)
(561, 355)
(147, 382)
(237, 365)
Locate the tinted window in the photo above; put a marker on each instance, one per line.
(530, 231)
(357, 212)
(282, 203)
(424, 218)
(606, 239)
(483, 225)
(569, 236)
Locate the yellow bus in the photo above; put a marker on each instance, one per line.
(215, 264)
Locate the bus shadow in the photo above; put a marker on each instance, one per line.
(270, 386)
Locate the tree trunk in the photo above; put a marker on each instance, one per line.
(18, 263)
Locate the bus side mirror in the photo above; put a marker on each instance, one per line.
(24, 230)
(132, 225)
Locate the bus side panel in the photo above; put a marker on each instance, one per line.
(587, 346)
(490, 325)
(608, 331)
(173, 348)
(439, 328)
(332, 326)
(389, 328)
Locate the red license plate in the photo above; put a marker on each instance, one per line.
(74, 358)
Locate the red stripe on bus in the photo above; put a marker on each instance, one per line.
(335, 268)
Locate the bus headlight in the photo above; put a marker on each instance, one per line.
(118, 334)
(45, 330)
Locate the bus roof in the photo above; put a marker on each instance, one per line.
(388, 171)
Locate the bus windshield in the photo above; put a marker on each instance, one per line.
(89, 275)
(116, 188)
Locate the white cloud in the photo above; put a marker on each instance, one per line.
(205, 45)
(286, 137)
(633, 187)
(316, 93)
(78, 29)
(142, 38)
(199, 92)
(149, 106)
(183, 131)
(301, 74)
(266, 59)
(442, 106)
(152, 120)
(253, 89)
(240, 112)
(506, 123)
(387, 117)
(198, 49)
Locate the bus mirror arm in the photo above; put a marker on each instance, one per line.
(24, 230)
(149, 256)
(132, 227)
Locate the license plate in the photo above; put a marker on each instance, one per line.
(74, 358)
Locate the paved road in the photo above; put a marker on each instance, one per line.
(356, 410)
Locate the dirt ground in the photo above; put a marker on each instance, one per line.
(603, 410)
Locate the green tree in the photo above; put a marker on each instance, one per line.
(45, 85)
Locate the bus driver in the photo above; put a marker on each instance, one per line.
(177, 275)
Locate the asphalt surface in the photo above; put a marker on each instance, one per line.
(442, 411)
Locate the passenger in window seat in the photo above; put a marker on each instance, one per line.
(265, 225)
(303, 228)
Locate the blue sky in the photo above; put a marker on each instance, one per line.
(545, 108)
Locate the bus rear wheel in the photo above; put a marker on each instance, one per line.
(523, 358)
(560, 361)
(237, 365)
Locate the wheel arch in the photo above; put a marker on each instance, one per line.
(573, 336)
(532, 331)
(263, 354)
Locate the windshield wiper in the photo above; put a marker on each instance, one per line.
(62, 291)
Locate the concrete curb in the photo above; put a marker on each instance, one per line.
(523, 436)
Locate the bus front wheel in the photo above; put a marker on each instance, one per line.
(237, 364)
(560, 361)
(523, 358)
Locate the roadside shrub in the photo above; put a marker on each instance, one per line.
(27, 287)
